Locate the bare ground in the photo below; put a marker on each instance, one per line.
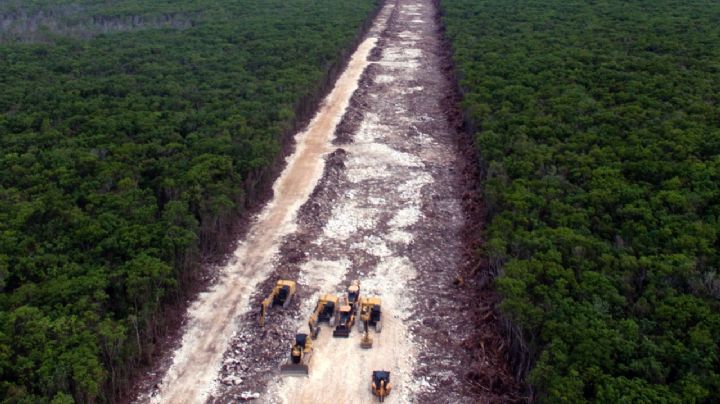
(394, 210)
(396, 207)
(213, 316)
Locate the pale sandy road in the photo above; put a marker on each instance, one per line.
(340, 369)
(338, 382)
(390, 210)
(212, 317)
(391, 169)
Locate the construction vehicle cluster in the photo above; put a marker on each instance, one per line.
(338, 312)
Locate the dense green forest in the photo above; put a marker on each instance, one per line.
(129, 131)
(598, 126)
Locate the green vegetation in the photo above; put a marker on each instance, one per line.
(597, 124)
(124, 153)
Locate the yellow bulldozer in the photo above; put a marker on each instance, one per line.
(370, 313)
(300, 353)
(346, 319)
(281, 295)
(326, 310)
(380, 385)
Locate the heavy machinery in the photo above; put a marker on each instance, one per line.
(371, 308)
(353, 293)
(325, 311)
(370, 313)
(381, 384)
(300, 354)
(346, 319)
(281, 295)
(366, 342)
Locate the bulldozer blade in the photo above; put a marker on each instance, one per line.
(342, 332)
(366, 344)
(294, 369)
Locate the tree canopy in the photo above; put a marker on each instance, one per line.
(129, 131)
(597, 126)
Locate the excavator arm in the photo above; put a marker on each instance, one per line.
(366, 342)
(263, 310)
(313, 325)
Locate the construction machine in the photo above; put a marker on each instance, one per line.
(325, 311)
(281, 295)
(381, 384)
(346, 319)
(353, 293)
(370, 313)
(366, 342)
(371, 308)
(300, 353)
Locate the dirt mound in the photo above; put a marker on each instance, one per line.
(354, 115)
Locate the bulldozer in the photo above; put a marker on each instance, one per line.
(281, 295)
(381, 384)
(300, 354)
(325, 311)
(346, 319)
(370, 314)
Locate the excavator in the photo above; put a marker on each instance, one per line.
(325, 311)
(370, 313)
(281, 295)
(381, 384)
(353, 293)
(300, 354)
(346, 319)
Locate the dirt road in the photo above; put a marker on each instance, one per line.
(197, 362)
(375, 191)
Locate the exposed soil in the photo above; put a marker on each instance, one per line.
(212, 316)
(397, 209)
(391, 200)
(258, 190)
